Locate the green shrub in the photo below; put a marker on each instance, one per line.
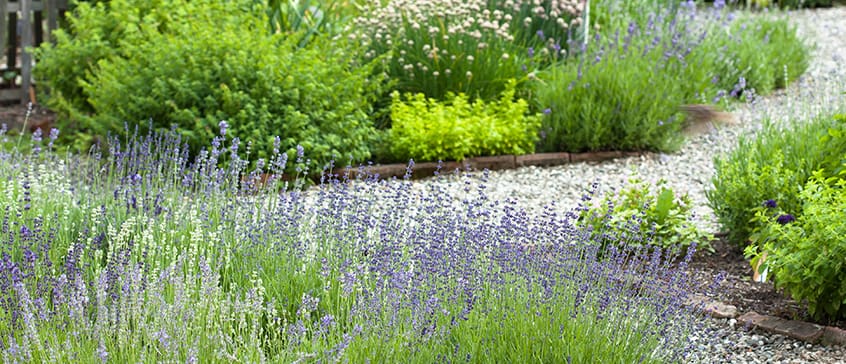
(772, 166)
(805, 252)
(219, 64)
(425, 129)
(639, 211)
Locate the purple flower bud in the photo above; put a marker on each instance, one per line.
(223, 126)
(300, 151)
(785, 219)
(541, 35)
(531, 52)
(770, 204)
(54, 134)
(547, 111)
(235, 144)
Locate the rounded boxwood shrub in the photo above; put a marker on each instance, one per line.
(206, 62)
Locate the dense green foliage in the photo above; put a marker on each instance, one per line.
(772, 166)
(642, 210)
(216, 64)
(805, 255)
(320, 73)
(425, 129)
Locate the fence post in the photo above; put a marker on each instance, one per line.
(26, 58)
(51, 6)
(11, 36)
(38, 23)
(4, 16)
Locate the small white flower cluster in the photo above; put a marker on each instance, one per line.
(429, 31)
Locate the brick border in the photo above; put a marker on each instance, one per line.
(492, 163)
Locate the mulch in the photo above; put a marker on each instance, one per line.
(740, 290)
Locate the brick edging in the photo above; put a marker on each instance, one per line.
(800, 330)
(494, 163)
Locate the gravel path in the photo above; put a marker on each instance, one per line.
(690, 170)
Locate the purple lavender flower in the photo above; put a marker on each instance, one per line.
(785, 219)
(541, 35)
(223, 125)
(770, 204)
(547, 111)
(531, 52)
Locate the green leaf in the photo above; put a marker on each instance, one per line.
(664, 205)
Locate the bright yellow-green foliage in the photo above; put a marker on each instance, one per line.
(428, 130)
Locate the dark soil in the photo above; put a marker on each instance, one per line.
(740, 290)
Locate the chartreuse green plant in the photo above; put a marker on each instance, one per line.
(805, 252)
(772, 166)
(425, 129)
(146, 254)
(642, 210)
(208, 62)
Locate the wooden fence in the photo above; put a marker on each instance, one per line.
(29, 15)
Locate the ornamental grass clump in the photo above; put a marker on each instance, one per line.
(138, 253)
(472, 47)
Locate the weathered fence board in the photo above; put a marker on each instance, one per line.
(31, 34)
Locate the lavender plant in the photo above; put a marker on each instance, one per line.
(146, 255)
